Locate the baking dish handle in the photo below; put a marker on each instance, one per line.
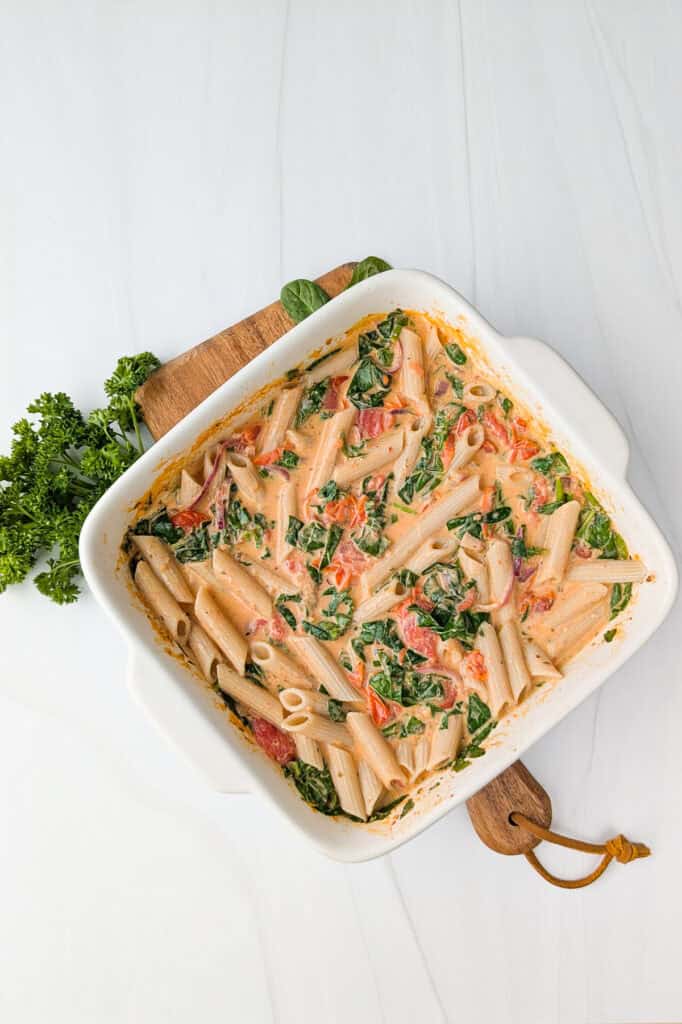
(596, 427)
(174, 716)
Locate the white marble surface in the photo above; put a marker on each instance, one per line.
(165, 166)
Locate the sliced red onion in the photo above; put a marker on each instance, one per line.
(526, 573)
(280, 469)
(441, 388)
(222, 501)
(397, 359)
(211, 478)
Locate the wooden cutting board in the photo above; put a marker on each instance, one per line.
(181, 384)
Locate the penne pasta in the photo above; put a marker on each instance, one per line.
(558, 540)
(501, 580)
(413, 435)
(279, 421)
(385, 599)
(538, 663)
(420, 757)
(572, 604)
(374, 748)
(606, 570)
(220, 629)
(478, 572)
(467, 445)
(189, 489)
(286, 507)
(478, 392)
(319, 728)
(574, 634)
(517, 671)
(293, 699)
(205, 651)
(445, 739)
(279, 666)
(377, 455)
(309, 751)
(254, 697)
(324, 457)
(162, 562)
(371, 787)
(344, 773)
(436, 549)
(324, 668)
(499, 691)
(162, 602)
(249, 484)
(412, 376)
(239, 582)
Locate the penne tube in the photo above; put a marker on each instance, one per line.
(371, 787)
(324, 668)
(606, 570)
(279, 666)
(572, 603)
(517, 670)
(569, 638)
(466, 446)
(249, 484)
(220, 629)
(273, 582)
(558, 540)
(319, 728)
(309, 751)
(437, 549)
(209, 461)
(162, 602)
(294, 699)
(420, 757)
(205, 651)
(428, 523)
(378, 453)
(404, 757)
(251, 695)
(509, 473)
(324, 457)
(286, 507)
(538, 663)
(413, 435)
(279, 421)
(501, 580)
(381, 602)
(239, 582)
(162, 562)
(499, 691)
(412, 376)
(445, 739)
(373, 747)
(432, 344)
(478, 392)
(478, 572)
(333, 365)
(473, 546)
(344, 773)
(189, 488)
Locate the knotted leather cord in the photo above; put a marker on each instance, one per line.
(618, 848)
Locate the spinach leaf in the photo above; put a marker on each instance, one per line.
(313, 536)
(301, 297)
(334, 535)
(520, 549)
(381, 631)
(455, 353)
(353, 451)
(409, 806)
(370, 538)
(288, 459)
(505, 404)
(472, 522)
(384, 812)
(457, 384)
(553, 464)
(294, 527)
(337, 616)
(196, 546)
(368, 267)
(620, 598)
(335, 711)
(429, 470)
(241, 525)
(478, 713)
(595, 529)
(369, 386)
(159, 525)
(311, 401)
(401, 730)
(328, 492)
(286, 613)
(609, 635)
(407, 577)
(321, 359)
(315, 786)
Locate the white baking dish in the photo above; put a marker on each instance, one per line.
(186, 710)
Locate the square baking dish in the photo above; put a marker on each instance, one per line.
(186, 709)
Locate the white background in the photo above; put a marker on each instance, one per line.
(164, 167)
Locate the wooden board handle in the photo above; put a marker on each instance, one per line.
(489, 809)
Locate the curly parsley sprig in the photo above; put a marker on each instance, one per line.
(59, 464)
